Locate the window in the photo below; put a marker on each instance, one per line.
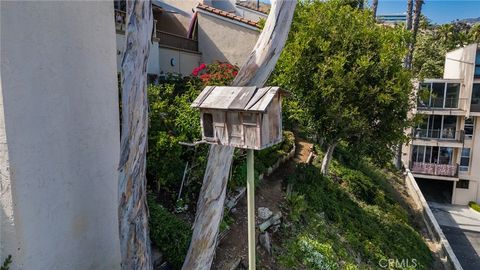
(463, 184)
(437, 99)
(432, 154)
(465, 160)
(451, 96)
(475, 103)
(469, 127)
(208, 125)
(437, 127)
(438, 95)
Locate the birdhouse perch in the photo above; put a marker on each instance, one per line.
(242, 117)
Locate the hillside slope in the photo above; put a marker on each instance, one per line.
(348, 220)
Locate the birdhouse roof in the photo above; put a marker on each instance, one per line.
(249, 98)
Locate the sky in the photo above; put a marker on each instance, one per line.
(438, 11)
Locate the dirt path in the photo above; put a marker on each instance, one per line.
(270, 194)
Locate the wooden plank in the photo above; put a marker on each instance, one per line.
(220, 98)
(203, 95)
(242, 98)
(258, 95)
(262, 104)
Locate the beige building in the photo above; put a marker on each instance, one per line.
(444, 154)
(190, 32)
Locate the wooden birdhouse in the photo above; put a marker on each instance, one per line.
(242, 117)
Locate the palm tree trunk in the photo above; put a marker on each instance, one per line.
(255, 71)
(408, 23)
(416, 21)
(132, 210)
(407, 62)
(374, 8)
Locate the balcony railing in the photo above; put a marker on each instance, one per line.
(442, 104)
(439, 134)
(435, 169)
(177, 41)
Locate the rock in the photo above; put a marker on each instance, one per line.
(274, 220)
(265, 242)
(264, 213)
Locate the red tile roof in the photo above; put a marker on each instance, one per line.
(228, 15)
(262, 7)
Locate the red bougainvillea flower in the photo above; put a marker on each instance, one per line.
(202, 66)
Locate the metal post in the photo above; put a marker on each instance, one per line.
(251, 210)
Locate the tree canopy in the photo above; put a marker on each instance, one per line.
(434, 41)
(346, 75)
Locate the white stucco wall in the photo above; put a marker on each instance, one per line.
(60, 108)
(222, 40)
(184, 62)
(460, 64)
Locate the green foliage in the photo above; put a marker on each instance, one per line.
(263, 160)
(474, 206)
(346, 76)
(173, 121)
(169, 233)
(297, 205)
(351, 220)
(6, 263)
(434, 41)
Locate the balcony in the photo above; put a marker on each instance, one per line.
(176, 41)
(435, 169)
(439, 134)
(442, 104)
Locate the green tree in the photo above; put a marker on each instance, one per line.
(434, 41)
(346, 73)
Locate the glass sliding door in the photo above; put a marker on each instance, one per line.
(475, 103)
(446, 155)
(452, 94)
(424, 95)
(449, 127)
(438, 95)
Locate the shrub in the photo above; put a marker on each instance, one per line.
(6, 263)
(357, 215)
(474, 206)
(169, 233)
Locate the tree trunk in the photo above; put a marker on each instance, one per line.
(408, 23)
(327, 158)
(416, 21)
(374, 8)
(254, 72)
(132, 210)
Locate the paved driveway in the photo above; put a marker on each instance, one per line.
(461, 226)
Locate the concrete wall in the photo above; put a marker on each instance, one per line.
(60, 142)
(223, 40)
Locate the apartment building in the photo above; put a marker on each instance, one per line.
(187, 33)
(444, 153)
